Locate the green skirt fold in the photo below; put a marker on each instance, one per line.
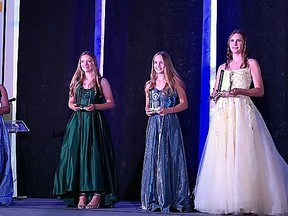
(87, 161)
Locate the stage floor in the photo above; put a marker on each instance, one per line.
(56, 207)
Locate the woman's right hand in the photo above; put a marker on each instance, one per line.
(74, 107)
(149, 112)
(215, 95)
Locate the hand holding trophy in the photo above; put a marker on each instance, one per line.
(154, 101)
(84, 99)
(224, 85)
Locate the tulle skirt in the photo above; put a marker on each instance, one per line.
(241, 170)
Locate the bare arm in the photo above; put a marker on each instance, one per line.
(147, 106)
(215, 95)
(258, 89)
(72, 103)
(183, 103)
(221, 67)
(5, 106)
(107, 93)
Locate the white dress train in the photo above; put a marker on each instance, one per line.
(241, 170)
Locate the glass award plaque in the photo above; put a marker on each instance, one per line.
(84, 98)
(224, 85)
(154, 100)
(225, 82)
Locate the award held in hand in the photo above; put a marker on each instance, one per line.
(154, 100)
(224, 84)
(84, 98)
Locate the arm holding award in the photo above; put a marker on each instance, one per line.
(164, 77)
(164, 145)
(152, 102)
(87, 142)
(237, 138)
(222, 85)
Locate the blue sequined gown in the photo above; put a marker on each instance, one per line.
(165, 185)
(6, 180)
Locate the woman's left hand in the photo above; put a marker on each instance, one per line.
(90, 107)
(163, 111)
(234, 92)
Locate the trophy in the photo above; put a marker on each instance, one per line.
(154, 100)
(224, 85)
(84, 98)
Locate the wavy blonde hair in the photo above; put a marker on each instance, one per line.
(79, 75)
(170, 73)
(244, 53)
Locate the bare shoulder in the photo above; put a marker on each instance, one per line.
(253, 62)
(147, 85)
(178, 86)
(221, 67)
(104, 82)
(2, 88)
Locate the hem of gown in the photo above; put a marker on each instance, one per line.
(169, 208)
(239, 212)
(71, 200)
(6, 200)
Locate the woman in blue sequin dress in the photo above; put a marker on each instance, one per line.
(165, 185)
(6, 180)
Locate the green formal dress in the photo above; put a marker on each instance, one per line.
(87, 162)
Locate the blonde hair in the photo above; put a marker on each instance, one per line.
(170, 73)
(79, 75)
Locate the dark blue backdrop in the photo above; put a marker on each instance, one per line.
(146, 27)
(54, 33)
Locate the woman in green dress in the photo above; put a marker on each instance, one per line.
(87, 172)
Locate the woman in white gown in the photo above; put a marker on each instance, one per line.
(240, 171)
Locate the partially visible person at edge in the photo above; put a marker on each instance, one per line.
(241, 171)
(6, 180)
(86, 176)
(165, 184)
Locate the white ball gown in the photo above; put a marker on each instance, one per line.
(241, 170)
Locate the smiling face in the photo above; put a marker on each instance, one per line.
(158, 64)
(236, 43)
(86, 63)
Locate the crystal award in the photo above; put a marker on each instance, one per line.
(154, 100)
(84, 98)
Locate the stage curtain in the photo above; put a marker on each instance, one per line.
(265, 24)
(135, 31)
(52, 35)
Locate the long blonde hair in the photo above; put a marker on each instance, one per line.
(79, 75)
(170, 73)
(229, 56)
